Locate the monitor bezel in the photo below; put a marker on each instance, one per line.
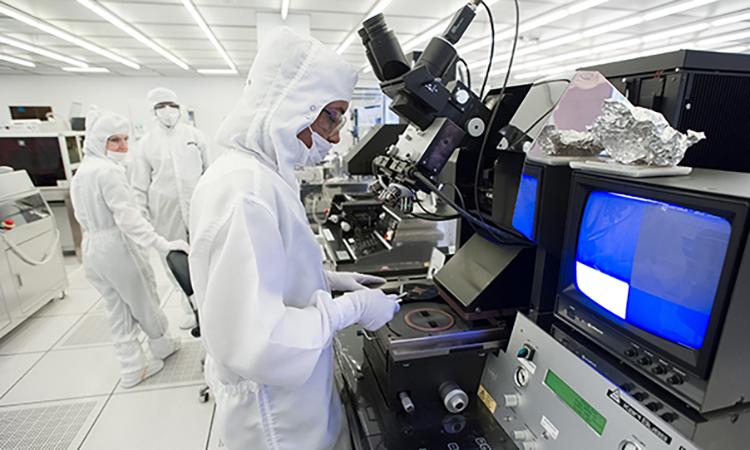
(697, 361)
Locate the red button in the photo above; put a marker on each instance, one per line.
(9, 222)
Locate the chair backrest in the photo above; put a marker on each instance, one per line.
(177, 260)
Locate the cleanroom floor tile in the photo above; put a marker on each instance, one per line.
(36, 334)
(67, 374)
(13, 367)
(91, 330)
(77, 302)
(164, 419)
(181, 369)
(53, 425)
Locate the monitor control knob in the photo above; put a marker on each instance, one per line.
(675, 380)
(645, 361)
(631, 353)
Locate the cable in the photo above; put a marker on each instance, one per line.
(492, 44)
(468, 71)
(499, 236)
(460, 196)
(494, 114)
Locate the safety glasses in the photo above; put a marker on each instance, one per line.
(336, 121)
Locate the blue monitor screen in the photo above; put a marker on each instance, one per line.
(652, 264)
(525, 210)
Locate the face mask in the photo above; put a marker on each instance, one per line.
(320, 148)
(118, 157)
(168, 116)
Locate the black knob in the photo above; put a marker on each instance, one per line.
(669, 417)
(627, 387)
(675, 380)
(654, 406)
(631, 353)
(659, 370)
(644, 361)
(640, 396)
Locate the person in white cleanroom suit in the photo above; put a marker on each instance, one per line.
(267, 315)
(114, 233)
(166, 166)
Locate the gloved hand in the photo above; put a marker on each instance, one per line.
(370, 308)
(351, 281)
(179, 245)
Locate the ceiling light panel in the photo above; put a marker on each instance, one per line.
(48, 28)
(17, 61)
(7, 40)
(98, 9)
(193, 11)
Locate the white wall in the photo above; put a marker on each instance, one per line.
(210, 98)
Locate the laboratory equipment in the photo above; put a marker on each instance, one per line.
(546, 398)
(32, 270)
(375, 142)
(50, 159)
(655, 273)
(362, 234)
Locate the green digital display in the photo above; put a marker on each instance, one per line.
(596, 421)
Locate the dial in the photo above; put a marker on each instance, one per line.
(521, 377)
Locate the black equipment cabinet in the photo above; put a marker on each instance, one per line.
(697, 90)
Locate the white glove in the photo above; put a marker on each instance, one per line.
(370, 308)
(351, 281)
(178, 245)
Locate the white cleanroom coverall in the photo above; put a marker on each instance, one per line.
(113, 230)
(165, 167)
(267, 315)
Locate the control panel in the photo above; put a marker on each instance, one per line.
(20, 211)
(547, 398)
(668, 407)
(668, 375)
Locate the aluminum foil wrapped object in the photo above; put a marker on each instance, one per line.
(638, 136)
(557, 142)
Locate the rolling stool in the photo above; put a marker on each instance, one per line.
(177, 260)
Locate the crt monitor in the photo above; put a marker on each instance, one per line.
(648, 268)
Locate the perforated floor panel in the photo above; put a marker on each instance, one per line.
(43, 427)
(92, 330)
(184, 367)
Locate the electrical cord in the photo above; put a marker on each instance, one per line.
(468, 71)
(485, 225)
(499, 236)
(492, 43)
(460, 196)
